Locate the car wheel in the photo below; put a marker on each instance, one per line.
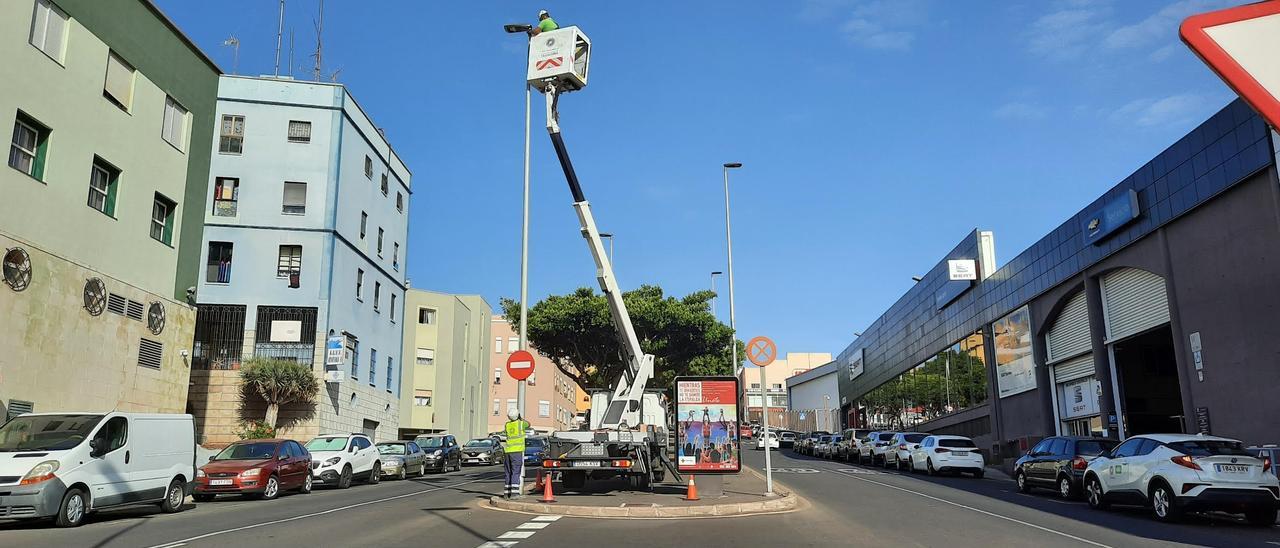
(307, 484)
(1262, 517)
(1163, 506)
(73, 509)
(203, 497)
(344, 480)
(174, 496)
(1093, 493)
(272, 490)
(1065, 489)
(1021, 479)
(404, 473)
(928, 467)
(375, 475)
(457, 465)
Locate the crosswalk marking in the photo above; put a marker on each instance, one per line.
(536, 526)
(517, 534)
(547, 518)
(521, 532)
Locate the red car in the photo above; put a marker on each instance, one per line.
(261, 468)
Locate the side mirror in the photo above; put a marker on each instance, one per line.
(95, 447)
(351, 449)
(211, 457)
(916, 446)
(282, 457)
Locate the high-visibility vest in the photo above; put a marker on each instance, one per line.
(515, 436)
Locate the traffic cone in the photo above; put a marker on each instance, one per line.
(537, 483)
(692, 493)
(547, 495)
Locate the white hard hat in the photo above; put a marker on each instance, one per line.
(542, 12)
(513, 414)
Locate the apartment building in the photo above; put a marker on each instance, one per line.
(445, 383)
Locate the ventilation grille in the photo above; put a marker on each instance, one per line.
(116, 304)
(150, 353)
(135, 310)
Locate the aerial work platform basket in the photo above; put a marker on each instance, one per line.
(559, 58)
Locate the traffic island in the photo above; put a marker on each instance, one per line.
(743, 495)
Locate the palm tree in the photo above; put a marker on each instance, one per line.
(279, 382)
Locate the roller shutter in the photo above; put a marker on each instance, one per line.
(1069, 335)
(1072, 369)
(1133, 301)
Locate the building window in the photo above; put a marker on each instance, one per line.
(359, 284)
(533, 379)
(29, 146)
(400, 202)
(513, 344)
(218, 267)
(395, 256)
(118, 87)
(373, 366)
(162, 219)
(355, 359)
(380, 233)
(497, 345)
(103, 180)
(231, 136)
(390, 369)
(175, 123)
(368, 167)
(384, 184)
(426, 356)
(544, 408)
(422, 398)
(364, 222)
(755, 386)
(497, 403)
(392, 310)
(289, 261)
(299, 131)
(426, 316)
(226, 196)
(377, 295)
(295, 199)
(497, 375)
(49, 29)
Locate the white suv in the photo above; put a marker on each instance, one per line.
(336, 459)
(1176, 473)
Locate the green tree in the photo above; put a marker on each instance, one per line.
(279, 382)
(576, 331)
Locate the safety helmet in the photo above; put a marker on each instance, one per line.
(513, 414)
(542, 13)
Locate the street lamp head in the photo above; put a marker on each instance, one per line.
(916, 278)
(733, 165)
(518, 27)
(606, 235)
(717, 273)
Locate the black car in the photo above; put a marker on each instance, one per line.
(1059, 463)
(443, 451)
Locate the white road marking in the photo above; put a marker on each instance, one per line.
(534, 525)
(547, 518)
(177, 543)
(517, 534)
(498, 544)
(978, 510)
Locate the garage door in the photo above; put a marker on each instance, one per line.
(1072, 369)
(1133, 301)
(1069, 335)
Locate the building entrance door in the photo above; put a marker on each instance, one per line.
(1147, 383)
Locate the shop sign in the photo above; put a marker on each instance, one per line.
(855, 364)
(1202, 421)
(1079, 398)
(962, 269)
(1111, 216)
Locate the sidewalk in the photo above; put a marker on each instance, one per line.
(743, 495)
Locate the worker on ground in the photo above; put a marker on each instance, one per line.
(545, 24)
(513, 452)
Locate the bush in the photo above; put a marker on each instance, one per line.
(254, 430)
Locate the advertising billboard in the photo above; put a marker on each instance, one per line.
(707, 429)
(1015, 366)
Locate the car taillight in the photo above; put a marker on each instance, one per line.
(1079, 463)
(1266, 464)
(1183, 460)
(942, 450)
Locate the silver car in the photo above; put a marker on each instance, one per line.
(400, 459)
(481, 451)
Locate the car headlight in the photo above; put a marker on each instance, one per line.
(40, 473)
(199, 472)
(251, 473)
(483, 455)
(437, 453)
(332, 461)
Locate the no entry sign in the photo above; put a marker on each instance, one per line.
(520, 365)
(1240, 44)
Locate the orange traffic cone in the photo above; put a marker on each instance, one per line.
(692, 493)
(547, 495)
(537, 483)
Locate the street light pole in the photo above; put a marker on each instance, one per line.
(728, 235)
(713, 290)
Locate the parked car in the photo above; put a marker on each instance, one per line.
(259, 468)
(898, 454)
(1269, 454)
(848, 446)
(810, 440)
(481, 451)
(820, 445)
(1059, 463)
(829, 449)
(1177, 473)
(745, 431)
(337, 459)
(787, 439)
(939, 454)
(535, 450)
(443, 452)
(773, 441)
(65, 466)
(874, 446)
(402, 459)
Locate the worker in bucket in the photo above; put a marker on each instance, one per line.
(513, 452)
(545, 24)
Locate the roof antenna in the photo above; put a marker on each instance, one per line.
(279, 38)
(316, 70)
(235, 45)
(291, 62)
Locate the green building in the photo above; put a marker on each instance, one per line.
(102, 204)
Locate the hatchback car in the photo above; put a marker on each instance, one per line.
(259, 468)
(820, 445)
(1177, 473)
(787, 439)
(400, 459)
(481, 451)
(898, 453)
(443, 452)
(847, 449)
(873, 447)
(535, 451)
(772, 439)
(1059, 463)
(939, 454)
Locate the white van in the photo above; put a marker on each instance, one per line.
(65, 465)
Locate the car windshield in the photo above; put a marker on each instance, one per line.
(433, 442)
(336, 443)
(248, 451)
(824, 439)
(946, 442)
(1206, 448)
(46, 432)
(788, 436)
(534, 443)
(885, 436)
(480, 443)
(914, 438)
(391, 448)
(1093, 448)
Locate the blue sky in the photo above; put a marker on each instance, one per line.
(875, 134)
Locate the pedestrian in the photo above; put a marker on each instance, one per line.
(513, 452)
(545, 24)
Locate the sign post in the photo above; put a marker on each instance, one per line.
(761, 351)
(520, 366)
(334, 358)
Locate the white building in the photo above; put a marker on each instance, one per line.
(816, 392)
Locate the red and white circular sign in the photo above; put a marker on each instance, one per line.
(520, 365)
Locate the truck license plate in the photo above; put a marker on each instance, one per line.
(219, 482)
(1233, 468)
(586, 464)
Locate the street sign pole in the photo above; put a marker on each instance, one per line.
(768, 463)
(519, 367)
(761, 351)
